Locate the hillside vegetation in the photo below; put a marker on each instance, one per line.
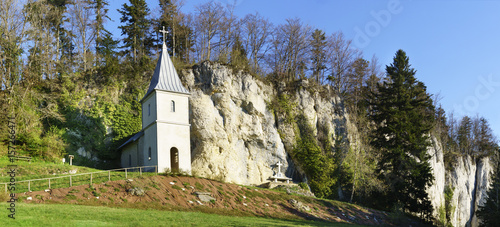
(77, 89)
(178, 193)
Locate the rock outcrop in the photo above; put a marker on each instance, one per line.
(238, 138)
(235, 134)
(469, 180)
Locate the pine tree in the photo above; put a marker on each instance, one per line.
(404, 115)
(318, 55)
(137, 41)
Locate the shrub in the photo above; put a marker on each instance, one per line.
(303, 185)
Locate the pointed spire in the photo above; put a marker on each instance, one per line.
(165, 76)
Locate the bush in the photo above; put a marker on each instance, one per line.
(303, 185)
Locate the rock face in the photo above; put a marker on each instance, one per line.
(236, 137)
(235, 134)
(469, 179)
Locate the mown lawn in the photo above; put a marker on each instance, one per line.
(78, 215)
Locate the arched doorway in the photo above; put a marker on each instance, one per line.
(174, 160)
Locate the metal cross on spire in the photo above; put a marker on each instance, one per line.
(164, 33)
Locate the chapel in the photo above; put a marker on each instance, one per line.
(164, 140)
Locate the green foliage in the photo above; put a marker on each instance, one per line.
(126, 120)
(137, 40)
(284, 106)
(403, 113)
(317, 165)
(359, 167)
(303, 185)
(448, 204)
(238, 59)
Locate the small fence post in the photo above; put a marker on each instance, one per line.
(156, 170)
(125, 173)
(29, 186)
(70, 182)
(140, 171)
(91, 179)
(5, 187)
(49, 183)
(109, 175)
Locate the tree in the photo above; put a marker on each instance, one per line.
(256, 33)
(65, 48)
(100, 12)
(288, 56)
(318, 55)
(178, 38)
(137, 40)
(81, 17)
(464, 136)
(107, 49)
(358, 75)
(208, 23)
(11, 36)
(487, 143)
(229, 30)
(403, 113)
(238, 55)
(340, 57)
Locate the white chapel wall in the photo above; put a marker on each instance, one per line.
(164, 100)
(178, 136)
(150, 141)
(149, 111)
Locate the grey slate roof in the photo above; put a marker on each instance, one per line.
(165, 77)
(132, 139)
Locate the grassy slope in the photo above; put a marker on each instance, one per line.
(78, 215)
(38, 169)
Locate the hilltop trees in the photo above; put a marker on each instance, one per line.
(136, 29)
(403, 114)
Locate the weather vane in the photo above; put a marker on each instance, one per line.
(164, 33)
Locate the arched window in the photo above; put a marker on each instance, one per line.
(149, 109)
(173, 106)
(149, 153)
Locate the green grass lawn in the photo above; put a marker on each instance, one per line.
(79, 215)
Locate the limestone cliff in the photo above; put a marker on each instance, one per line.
(469, 180)
(235, 133)
(238, 138)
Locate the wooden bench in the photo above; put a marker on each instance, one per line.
(22, 158)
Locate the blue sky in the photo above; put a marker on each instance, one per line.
(453, 45)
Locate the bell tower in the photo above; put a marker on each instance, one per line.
(165, 119)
